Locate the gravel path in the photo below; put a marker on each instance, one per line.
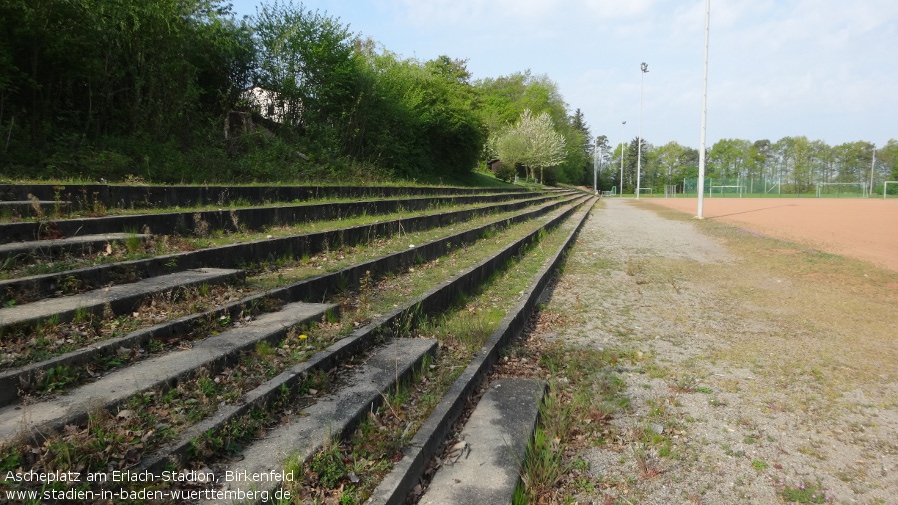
(730, 402)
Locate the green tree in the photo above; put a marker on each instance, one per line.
(418, 119)
(306, 60)
(888, 160)
(531, 142)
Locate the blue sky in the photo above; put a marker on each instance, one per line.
(825, 69)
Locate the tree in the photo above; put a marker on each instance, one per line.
(307, 60)
(416, 119)
(888, 160)
(532, 142)
(672, 158)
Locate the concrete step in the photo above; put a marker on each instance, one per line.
(26, 207)
(81, 245)
(121, 299)
(314, 427)
(200, 222)
(229, 256)
(484, 466)
(213, 353)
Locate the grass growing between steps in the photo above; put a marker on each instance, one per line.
(151, 419)
(584, 394)
(129, 249)
(370, 452)
(23, 344)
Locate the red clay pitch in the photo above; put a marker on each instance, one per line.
(865, 229)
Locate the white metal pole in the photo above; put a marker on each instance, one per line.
(622, 154)
(701, 148)
(872, 166)
(644, 68)
(595, 167)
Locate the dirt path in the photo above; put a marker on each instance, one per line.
(762, 372)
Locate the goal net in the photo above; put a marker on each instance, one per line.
(890, 192)
(729, 189)
(838, 189)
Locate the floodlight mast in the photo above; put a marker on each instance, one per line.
(595, 167)
(872, 168)
(645, 68)
(621, 181)
(701, 148)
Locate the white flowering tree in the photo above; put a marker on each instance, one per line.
(532, 142)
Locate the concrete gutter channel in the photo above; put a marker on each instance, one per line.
(129, 196)
(237, 219)
(397, 322)
(309, 290)
(495, 440)
(237, 255)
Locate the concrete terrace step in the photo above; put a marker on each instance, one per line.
(131, 196)
(26, 207)
(81, 245)
(495, 442)
(200, 222)
(120, 298)
(315, 426)
(114, 388)
(232, 255)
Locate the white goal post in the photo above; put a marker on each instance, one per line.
(738, 187)
(821, 185)
(645, 191)
(885, 186)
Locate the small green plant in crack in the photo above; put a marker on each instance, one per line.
(717, 402)
(57, 378)
(133, 242)
(328, 465)
(803, 492)
(155, 346)
(759, 464)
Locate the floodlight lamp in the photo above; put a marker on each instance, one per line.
(645, 67)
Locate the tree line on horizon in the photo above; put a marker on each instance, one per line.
(141, 91)
(797, 164)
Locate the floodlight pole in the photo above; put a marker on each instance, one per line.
(872, 167)
(701, 148)
(595, 167)
(622, 153)
(645, 68)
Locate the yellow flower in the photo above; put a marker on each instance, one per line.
(303, 336)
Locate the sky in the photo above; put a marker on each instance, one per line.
(824, 69)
